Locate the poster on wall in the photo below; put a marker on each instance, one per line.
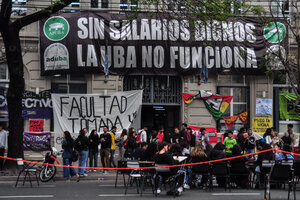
(106, 43)
(37, 141)
(264, 106)
(261, 124)
(210, 131)
(289, 106)
(35, 106)
(73, 112)
(36, 125)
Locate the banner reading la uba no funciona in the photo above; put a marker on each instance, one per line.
(89, 42)
(73, 112)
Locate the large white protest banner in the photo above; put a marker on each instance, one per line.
(73, 112)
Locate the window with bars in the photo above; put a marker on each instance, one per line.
(239, 104)
(161, 90)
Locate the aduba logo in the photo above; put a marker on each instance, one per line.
(56, 28)
(275, 32)
(56, 57)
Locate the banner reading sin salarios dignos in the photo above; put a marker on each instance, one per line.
(88, 42)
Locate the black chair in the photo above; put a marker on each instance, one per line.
(134, 176)
(147, 175)
(203, 170)
(296, 168)
(281, 173)
(220, 169)
(27, 170)
(239, 170)
(122, 164)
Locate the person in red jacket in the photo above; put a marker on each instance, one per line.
(160, 134)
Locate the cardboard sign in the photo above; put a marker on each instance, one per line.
(36, 125)
(210, 131)
(261, 124)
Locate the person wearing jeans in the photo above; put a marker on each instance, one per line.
(105, 141)
(93, 148)
(82, 146)
(67, 146)
(3, 145)
(113, 146)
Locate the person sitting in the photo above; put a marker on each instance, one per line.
(283, 155)
(165, 158)
(199, 155)
(176, 150)
(142, 151)
(238, 167)
(218, 152)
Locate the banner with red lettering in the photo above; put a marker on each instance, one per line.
(210, 131)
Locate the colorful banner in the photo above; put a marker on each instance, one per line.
(73, 112)
(261, 124)
(123, 44)
(35, 106)
(289, 106)
(230, 121)
(211, 132)
(216, 104)
(36, 125)
(37, 141)
(264, 106)
(244, 117)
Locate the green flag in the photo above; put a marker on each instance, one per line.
(289, 106)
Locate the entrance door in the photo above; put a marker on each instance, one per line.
(161, 100)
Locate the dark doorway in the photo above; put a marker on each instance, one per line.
(155, 117)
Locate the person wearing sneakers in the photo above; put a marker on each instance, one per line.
(93, 149)
(105, 141)
(67, 146)
(113, 146)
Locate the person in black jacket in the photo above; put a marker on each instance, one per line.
(105, 141)
(218, 152)
(82, 146)
(67, 146)
(131, 144)
(93, 148)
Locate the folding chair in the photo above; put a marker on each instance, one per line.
(220, 169)
(27, 169)
(281, 173)
(147, 175)
(122, 164)
(203, 170)
(134, 175)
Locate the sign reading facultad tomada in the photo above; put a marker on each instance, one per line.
(87, 42)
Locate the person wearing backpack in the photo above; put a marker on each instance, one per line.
(290, 137)
(67, 146)
(82, 146)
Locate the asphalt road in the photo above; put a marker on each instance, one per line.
(105, 190)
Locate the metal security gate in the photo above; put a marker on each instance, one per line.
(161, 100)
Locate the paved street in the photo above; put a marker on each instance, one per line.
(105, 190)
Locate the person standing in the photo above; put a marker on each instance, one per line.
(3, 145)
(67, 146)
(240, 139)
(160, 134)
(113, 146)
(250, 143)
(82, 146)
(93, 149)
(121, 141)
(143, 135)
(183, 131)
(176, 135)
(105, 141)
(203, 137)
(229, 143)
(290, 137)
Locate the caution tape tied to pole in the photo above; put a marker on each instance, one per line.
(154, 167)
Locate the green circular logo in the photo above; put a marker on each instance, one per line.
(56, 28)
(274, 32)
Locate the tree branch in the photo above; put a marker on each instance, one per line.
(42, 14)
(5, 12)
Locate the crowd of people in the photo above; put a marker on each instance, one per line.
(162, 148)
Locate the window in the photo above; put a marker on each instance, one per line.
(19, 7)
(74, 84)
(99, 3)
(280, 8)
(4, 81)
(238, 105)
(128, 5)
(4, 75)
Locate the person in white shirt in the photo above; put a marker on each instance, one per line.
(143, 133)
(3, 145)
